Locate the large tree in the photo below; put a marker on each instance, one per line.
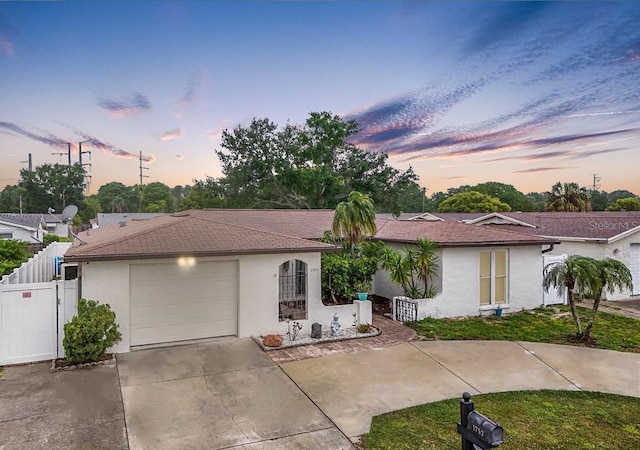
(625, 204)
(305, 166)
(506, 193)
(115, 197)
(157, 197)
(567, 197)
(52, 186)
(472, 202)
(11, 199)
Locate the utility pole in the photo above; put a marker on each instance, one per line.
(30, 162)
(80, 153)
(68, 153)
(596, 179)
(141, 169)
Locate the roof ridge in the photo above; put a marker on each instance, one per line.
(139, 233)
(244, 227)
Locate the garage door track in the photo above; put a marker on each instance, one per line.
(218, 395)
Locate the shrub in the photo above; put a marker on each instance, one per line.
(89, 334)
(364, 328)
(50, 237)
(12, 254)
(272, 340)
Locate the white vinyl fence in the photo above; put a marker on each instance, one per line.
(551, 297)
(40, 268)
(34, 308)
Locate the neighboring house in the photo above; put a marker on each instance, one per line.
(23, 227)
(106, 219)
(598, 234)
(207, 273)
(55, 225)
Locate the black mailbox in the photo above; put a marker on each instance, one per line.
(486, 429)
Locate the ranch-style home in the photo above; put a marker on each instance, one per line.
(31, 228)
(207, 273)
(597, 234)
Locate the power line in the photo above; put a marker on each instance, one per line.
(596, 179)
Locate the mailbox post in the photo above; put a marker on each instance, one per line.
(477, 431)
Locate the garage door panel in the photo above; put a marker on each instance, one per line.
(172, 303)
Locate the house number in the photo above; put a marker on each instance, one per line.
(315, 269)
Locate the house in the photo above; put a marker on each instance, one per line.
(481, 269)
(55, 225)
(29, 228)
(106, 219)
(206, 273)
(597, 234)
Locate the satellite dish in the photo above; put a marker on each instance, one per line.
(69, 213)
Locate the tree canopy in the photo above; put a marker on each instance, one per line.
(303, 166)
(567, 197)
(625, 204)
(472, 202)
(50, 186)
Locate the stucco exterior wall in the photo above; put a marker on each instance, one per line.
(619, 249)
(460, 296)
(21, 234)
(108, 282)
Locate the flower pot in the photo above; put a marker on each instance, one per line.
(498, 312)
(362, 296)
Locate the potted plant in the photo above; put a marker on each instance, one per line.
(362, 290)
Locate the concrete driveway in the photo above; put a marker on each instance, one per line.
(79, 409)
(218, 395)
(352, 388)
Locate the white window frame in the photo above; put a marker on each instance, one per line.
(492, 276)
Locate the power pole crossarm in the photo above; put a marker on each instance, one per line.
(141, 169)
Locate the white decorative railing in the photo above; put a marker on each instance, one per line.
(40, 268)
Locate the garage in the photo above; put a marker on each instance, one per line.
(184, 300)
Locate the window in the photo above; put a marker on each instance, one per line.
(292, 290)
(5, 235)
(494, 269)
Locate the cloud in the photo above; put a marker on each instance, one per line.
(48, 139)
(190, 94)
(172, 134)
(542, 169)
(108, 149)
(180, 157)
(132, 105)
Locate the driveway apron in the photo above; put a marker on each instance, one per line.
(78, 409)
(218, 395)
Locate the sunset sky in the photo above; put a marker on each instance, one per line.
(465, 92)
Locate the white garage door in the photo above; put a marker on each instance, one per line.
(171, 302)
(635, 268)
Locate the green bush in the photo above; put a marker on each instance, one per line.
(12, 254)
(89, 334)
(50, 237)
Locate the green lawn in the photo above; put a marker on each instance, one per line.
(555, 420)
(550, 325)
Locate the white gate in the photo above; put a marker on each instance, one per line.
(552, 297)
(32, 318)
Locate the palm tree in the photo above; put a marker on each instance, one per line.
(426, 261)
(613, 275)
(576, 274)
(355, 219)
(567, 197)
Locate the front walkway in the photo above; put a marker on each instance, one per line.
(627, 308)
(392, 333)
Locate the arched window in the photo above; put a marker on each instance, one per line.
(292, 290)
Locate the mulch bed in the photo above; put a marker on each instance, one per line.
(62, 364)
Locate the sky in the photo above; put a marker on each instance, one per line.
(524, 93)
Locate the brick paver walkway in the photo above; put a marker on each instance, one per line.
(392, 333)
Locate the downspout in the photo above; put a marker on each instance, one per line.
(547, 250)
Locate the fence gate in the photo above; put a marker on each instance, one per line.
(405, 310)
(551, 297)
(32, 317)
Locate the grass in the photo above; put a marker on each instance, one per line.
(549, 325)
(556, 420)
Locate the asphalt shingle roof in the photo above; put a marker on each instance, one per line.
(25, 220)
(228, 232)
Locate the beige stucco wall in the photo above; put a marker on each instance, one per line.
(108, 282)
(460, 296)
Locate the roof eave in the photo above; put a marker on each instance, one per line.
(476, 244)
(116, 257)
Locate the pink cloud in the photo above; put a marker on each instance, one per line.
(172, 134)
